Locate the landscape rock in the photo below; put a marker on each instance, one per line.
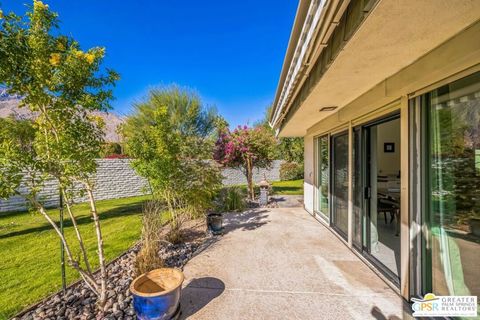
(79, 302)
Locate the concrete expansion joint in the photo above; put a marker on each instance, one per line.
(352, 294)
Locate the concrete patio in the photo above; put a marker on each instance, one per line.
(282, 264)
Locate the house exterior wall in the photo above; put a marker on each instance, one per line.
(389, 39)
(308, 182)
(454, 59)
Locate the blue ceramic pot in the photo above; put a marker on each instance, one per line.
(156, 294)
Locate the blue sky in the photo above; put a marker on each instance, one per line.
(230, 52)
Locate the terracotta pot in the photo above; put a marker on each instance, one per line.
(156, 294)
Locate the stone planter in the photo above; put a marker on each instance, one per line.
(215, 223)
(156, 294)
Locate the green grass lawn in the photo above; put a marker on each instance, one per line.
(291, 187)
(30, 249)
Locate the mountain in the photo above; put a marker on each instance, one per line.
(9, 106)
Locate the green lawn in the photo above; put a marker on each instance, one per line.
(29, 249)
(292, 187)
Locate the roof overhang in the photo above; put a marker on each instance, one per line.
(394, 35)
(314, 23)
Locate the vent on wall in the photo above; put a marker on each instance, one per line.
(329, 108)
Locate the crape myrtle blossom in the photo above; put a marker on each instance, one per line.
(245, 148)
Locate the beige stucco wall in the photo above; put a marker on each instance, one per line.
(395, 35)
(308, 183)
(452, 60)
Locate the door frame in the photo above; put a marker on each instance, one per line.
(364, 147)
(341, 233)
(318, 214)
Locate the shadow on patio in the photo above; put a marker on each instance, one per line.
(247, 220)
(198, 293)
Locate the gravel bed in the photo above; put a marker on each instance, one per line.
(79, 302)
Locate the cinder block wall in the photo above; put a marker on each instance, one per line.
(49, 195)
(115, 179)
(235, 176)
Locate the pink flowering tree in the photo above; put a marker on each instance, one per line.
(245, 148)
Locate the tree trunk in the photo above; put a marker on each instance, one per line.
(77, 231)
(87, 277)
(251, 191)
(102, 297)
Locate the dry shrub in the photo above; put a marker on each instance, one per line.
(178, 216)
(149, 256)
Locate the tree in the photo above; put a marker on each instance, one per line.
(111, 148)
(291, 149)
(170, 137)
(288, 149)
(61, 85)
(246, 148)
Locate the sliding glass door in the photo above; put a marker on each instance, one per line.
(453, 187)
(358, 189)
(322, 172)
(382, 193)
(339, 155)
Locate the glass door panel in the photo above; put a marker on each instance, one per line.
(339, 161)
(453, 200)
(357, 189)
(382, 191)
(322, 176)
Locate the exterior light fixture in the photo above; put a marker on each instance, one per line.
(329, 108)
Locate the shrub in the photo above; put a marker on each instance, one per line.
(231, 199)
(291, 171)
(110, 149)
(170, 137)
(116, 156)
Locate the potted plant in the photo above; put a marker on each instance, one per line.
(156, 290)
(229, 199)
(215, 222)
(156, 294)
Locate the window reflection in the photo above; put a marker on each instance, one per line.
(454, 136)
(340, 182)
(322, 179)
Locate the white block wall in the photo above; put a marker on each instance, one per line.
(235, 176)
(116, 179)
